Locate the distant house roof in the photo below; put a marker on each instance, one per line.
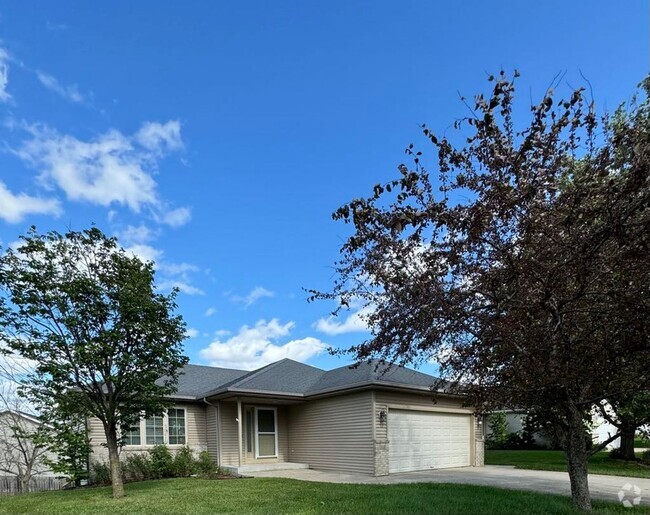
(289, 378)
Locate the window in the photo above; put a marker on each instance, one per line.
(155, 430)
(176, 420)
(168, 429)
(267, 434)
(132, 436)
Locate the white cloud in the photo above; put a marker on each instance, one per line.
(355, 322)
(110, 169)
(191, 332)
(182, 286)
(70, 93)
(14, 208)
(177, 217)
(253, 296)
(160, 137)
(210, 311)
(4, 76)
(145, 252)
(171, 275)
(254, 347)
(135, 235)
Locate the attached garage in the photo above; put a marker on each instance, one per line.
(422, 440)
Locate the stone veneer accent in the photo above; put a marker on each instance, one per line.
(479, 443)
(381, 457)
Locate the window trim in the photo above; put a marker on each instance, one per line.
(257, 432)
(143, 432)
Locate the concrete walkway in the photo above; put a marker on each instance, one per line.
(601, 487)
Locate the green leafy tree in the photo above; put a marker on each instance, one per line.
(498, 430)
(103, 340)
(529, 283)
(65, 436)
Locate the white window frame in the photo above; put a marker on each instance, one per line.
(257, 432)
(143, 432)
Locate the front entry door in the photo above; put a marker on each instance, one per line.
(249, 434)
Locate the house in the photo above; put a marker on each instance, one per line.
(373, 419)
(601, 429)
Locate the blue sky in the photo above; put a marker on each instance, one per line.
(218, 137)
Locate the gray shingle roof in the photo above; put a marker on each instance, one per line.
(288, 377)
(198, 379)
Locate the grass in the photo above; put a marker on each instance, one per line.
(267, 495)
(600, 463)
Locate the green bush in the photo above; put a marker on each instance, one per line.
(137, 467)
(162, 462)
(645, 457)
(205, 466)
(184, 464)
(101, 474)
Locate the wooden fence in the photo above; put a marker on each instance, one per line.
(10, 485)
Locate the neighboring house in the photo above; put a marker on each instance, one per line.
(601, 429)
(17, 451)
(289, 415)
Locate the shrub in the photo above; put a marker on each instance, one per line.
(645, 457)
(616, 454)
(184, 464)
(101, 473)
(205, 466)
(162, 462)
(137, 467)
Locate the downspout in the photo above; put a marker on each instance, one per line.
(217, 429)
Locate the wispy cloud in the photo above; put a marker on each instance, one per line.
(254, 347)
(110, 169)
(355, 322)
(177, 217)
(70, 93)
(4, 75)
(253, 296)
(15, 207)
(209, 312)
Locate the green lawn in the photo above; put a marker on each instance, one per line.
(289, 496)
(600, 463)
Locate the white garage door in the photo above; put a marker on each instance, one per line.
(421, 440)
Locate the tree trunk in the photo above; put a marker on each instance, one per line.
(577, 456)
(114, 461)
(23, 485)
(627, 443)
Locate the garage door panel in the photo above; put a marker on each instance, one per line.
(420, 440)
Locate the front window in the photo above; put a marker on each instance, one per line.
(132, 436)
(176, 421)
(267, 433)
(155, 430)
(168, 429)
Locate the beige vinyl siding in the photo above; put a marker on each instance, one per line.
(211, 427)
(195, 434)
(229, 441)
(197, 437)
(334, 433)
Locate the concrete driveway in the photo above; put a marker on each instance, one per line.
(601, 487)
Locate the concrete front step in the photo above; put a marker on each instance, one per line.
(264, 467)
